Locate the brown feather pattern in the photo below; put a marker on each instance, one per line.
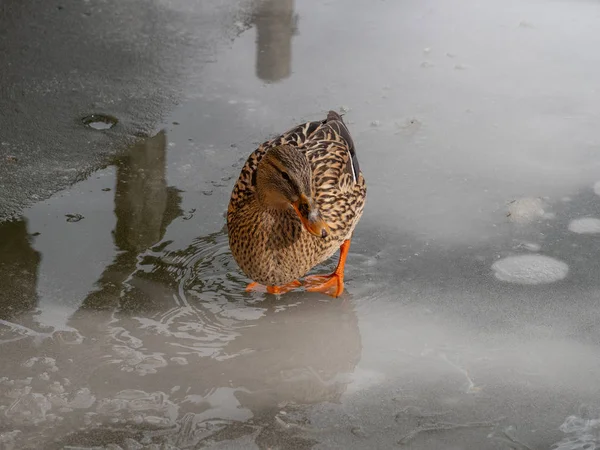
(271, 246)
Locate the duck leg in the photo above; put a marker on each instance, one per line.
(254, 286)
(332, 284)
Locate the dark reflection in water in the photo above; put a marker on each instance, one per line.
(276, 25)
(19, 264)
(144, 207)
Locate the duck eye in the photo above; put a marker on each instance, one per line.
(286, 177)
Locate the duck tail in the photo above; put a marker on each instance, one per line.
(335, 121)
(332, 115)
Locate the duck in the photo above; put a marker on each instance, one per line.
(297, 201)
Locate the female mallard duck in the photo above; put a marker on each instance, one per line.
(297, 200)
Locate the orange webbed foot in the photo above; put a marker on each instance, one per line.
(332, 285)
(256, 287)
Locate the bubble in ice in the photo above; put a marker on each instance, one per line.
(29, 409)
(530, 269)
(82, 399)
(30, 362)
(526, 210)
(133, 360)
(179, 360)
(585, 225)
(24, 381)
(138, 401)
(56, 388)
(8, 438)
(88, 416)
(18, 392)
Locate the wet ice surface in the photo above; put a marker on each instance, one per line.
(470, 318)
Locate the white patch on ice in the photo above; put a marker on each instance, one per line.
(585, 225)
(530, 269)
(526, 210)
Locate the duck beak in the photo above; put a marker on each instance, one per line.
(311, 217)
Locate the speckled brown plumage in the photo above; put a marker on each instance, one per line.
(271, 246)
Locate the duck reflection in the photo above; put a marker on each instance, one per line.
(276, 25)
(185, 331)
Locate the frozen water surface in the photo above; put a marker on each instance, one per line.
(470, 317)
